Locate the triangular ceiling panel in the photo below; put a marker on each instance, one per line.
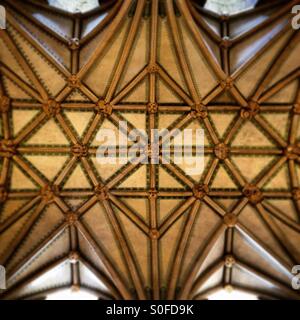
(133, 118)
(7, 237)
(45, 40)
(253, 221)
(10, 208)
(212, 23)
(214, 255)
(138, 58)
(139, 206)
(51, 79)
(107, 124)
(250, 78)
(204, 78)
(20, 180)
(90, 23)
(77, 179)
(250, 280)
(76, 95)
(47, 222)
(166, 94)
(21, 118)
(167, 119)
(56, 248)
(246, 253)
(140, 245)
(288, 65)
(137, 179)
(14, 90)
(286, 207)
(166, 180)
(279, 181)
(59, 276)
(9, 59)
(106, 64)
(196, 125)
(106, 170)
(205, 225)
(223, 180)
(47, 165)
(246, 165)
(291, 243)
(212, 282)
(138, 94)
(250, 135)
(286, 95)
(168, 245)
(167, 55)
(222, 121)
(79, 120)
(224, 97)
(57, 23)
(247, 23)
(48, 134)
(89, 279)
(102, 233)
(247, 49)
(167, 206)
(89, 254)
(280, 122)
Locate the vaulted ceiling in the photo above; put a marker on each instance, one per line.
(137, 230)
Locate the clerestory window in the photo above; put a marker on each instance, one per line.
(75, 5)
(229, 7)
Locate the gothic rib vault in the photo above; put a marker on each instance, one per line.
(149, 231)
